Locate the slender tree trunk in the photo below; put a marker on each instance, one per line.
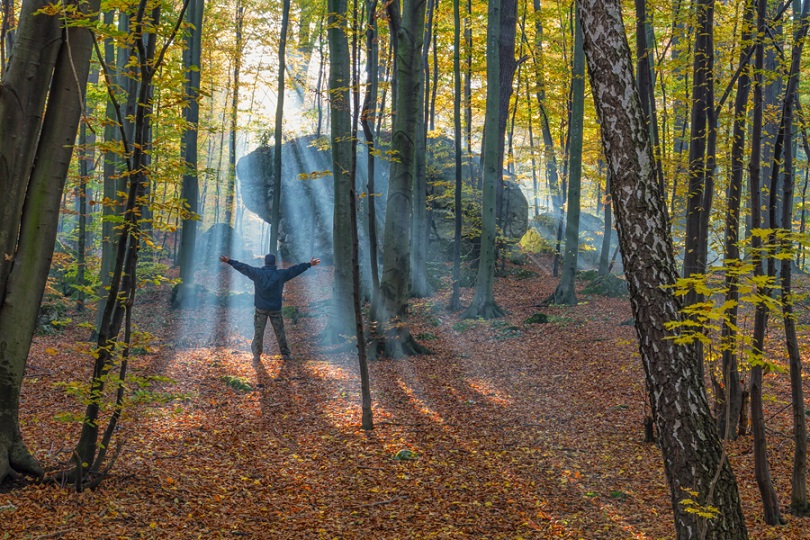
(455, 299)
(114, 180)
(6, 32)
(191, 114)
(483, 304)
(535, 192)
(230, 191)
(645, 79)
(698, 172)
(693, 455)
(606, 238)
(124, 280)
(86, 161)
(566, 290)
(365, 386)
(367, 118)
(468, 54)
(550, 155)
(341, 317)
(275, 216)
(761, 469)
(798, 500)
(732, 398)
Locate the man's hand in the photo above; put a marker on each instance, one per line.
(314, 262)
(224, 258)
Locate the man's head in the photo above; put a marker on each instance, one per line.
(269, 260)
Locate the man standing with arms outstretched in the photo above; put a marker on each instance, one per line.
(268, 282)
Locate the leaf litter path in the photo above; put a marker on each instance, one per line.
(518, 431)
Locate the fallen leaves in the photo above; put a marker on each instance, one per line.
(518, 430)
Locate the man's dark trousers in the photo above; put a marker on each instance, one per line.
(259, 324)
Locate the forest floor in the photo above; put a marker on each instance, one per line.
(517, 430)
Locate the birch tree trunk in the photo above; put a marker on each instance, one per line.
(693, 456)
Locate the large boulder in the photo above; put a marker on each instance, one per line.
(591, 234)
(307, 194)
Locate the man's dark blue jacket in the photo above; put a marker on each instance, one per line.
(268, 282)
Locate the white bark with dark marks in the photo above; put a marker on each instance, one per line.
(693, 456)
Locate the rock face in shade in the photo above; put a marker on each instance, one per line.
(307, 195)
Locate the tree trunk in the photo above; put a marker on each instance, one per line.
(367, 121)
(604, 254)
(693, 456)
(550, 155)
(694, 260)
(761, 470)
(468, 54)
(455, 299)
(230, 190)
(275, 216)
(191, 114)
(566, 291)
(367, 421)
(483, 304)
(340, 315)
(397, 340)
(732, 398)
(87, 164)
(419, 233)
(22, 102)
(115, 181)
(6, 31)
(508, 65)
(645, 78)
(41, 188)
(123, 283)
(798, 500)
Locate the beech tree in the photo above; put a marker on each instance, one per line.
(694, 459)
(191, 113)
(397, 339)
(341, 314)
(565, 293)
(36, 145)
(282, 63)
(483, 304)
(732, 398)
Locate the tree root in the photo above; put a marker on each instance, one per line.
(483, 310)
(560, 297)
(332, 336)
(82, 479)
(395, 343)
(800, 510)
(16, 460)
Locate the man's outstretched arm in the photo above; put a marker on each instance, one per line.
(250, 271)
(293, 271)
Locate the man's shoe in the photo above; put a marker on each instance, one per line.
(287, 357)
(257, 359)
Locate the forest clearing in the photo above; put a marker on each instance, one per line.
(518, 430)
